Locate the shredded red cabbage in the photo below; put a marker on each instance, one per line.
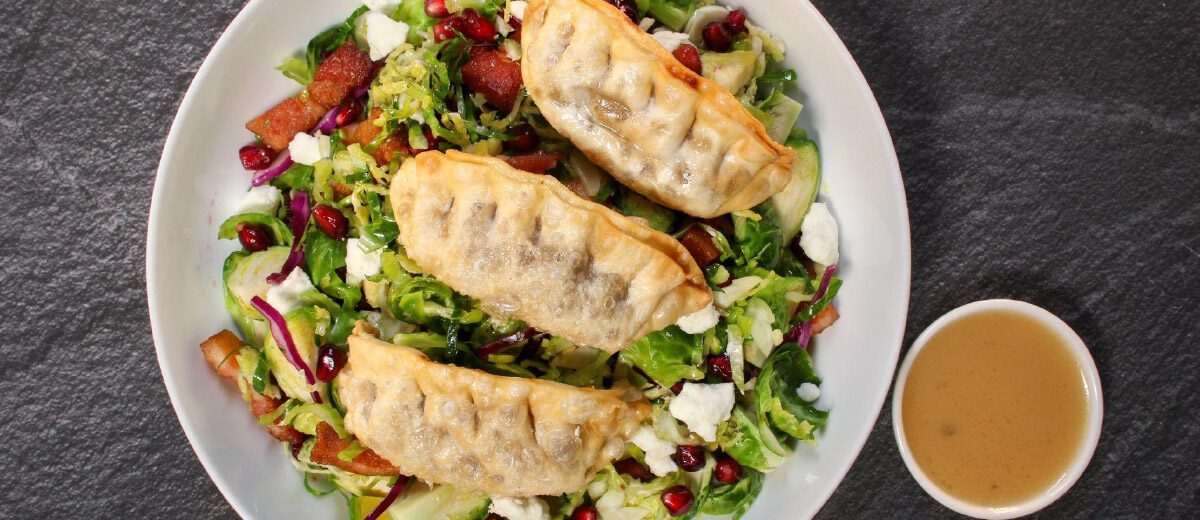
(300, 214)
(283, 337)
(505, 342)
(277, 167)
(802, 333)
(392, 495)
(328, 121)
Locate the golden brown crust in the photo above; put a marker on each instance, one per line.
(678, 138)
(501, 435)
(527, 247)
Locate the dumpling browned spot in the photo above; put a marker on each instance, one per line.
(500, 435)
(634, 110)
(527, 247)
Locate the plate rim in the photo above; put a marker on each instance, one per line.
(171, 144)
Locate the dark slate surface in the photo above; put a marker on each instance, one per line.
(1049, 149)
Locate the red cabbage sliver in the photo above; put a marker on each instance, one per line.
(328, 121)
(392, 495)
(294, 258)
(505, 342)
(300, 214)
(283, 337)
(802, 333)
(277, 167)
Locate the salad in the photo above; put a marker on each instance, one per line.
(729, 389)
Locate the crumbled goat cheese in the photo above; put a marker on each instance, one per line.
(361, 262)
(383, 34)
(531, 508)
(819, 235)
(702, 407)
(809, 392)
(700, 321)
(260, 199)
(670, 39)
(658, 452)
(308, 149)
(285, 297)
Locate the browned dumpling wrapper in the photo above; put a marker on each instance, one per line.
(657, 127)
(527, 247)
(504, 436)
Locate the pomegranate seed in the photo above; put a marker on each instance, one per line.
(737, 21)
(255, 156)
(585, 513)
(690, 457)
(448, 29)
(631, 467)
(677, 387)
(689, 56)
(719, 366)
(717, 36)
(627, 7)
(678, 500)
(348, 113)
(523, 139)
(330, 221)
(330, 362)
(728, 471)
(436, 8)
(253, 237)
(476, 27)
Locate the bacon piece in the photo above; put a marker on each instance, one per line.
(283, 121)
(340, 72)
(494, 75)
(364, 133)
(219, 352)
(328, 445)
(824, 319)
(700, 244)
(344, 69)
(261, 405)
(534, 163)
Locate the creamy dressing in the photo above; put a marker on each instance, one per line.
(994, 408)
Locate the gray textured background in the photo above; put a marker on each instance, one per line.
(1049, 151)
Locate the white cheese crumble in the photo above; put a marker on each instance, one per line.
(702, 407)
(361, 262)
(819, 235)
(285, 297)
(308, 149)
(387, 326)
(809, 392)
(700, 321)
(671, 39)
(383, 34)
(382, 6)
(517, 9)
(260, 199)
(658, 452)
(531, 508)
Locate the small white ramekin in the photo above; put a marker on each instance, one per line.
(1092, 394)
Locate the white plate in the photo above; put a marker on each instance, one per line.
(200, 179)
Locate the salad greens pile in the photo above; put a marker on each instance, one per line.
(764, 288)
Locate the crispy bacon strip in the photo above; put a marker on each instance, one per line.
(364, 133)
(219, 352)
(342, 71)
(824, 319)
(493, 74)
(537, 162)
(328, 445)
